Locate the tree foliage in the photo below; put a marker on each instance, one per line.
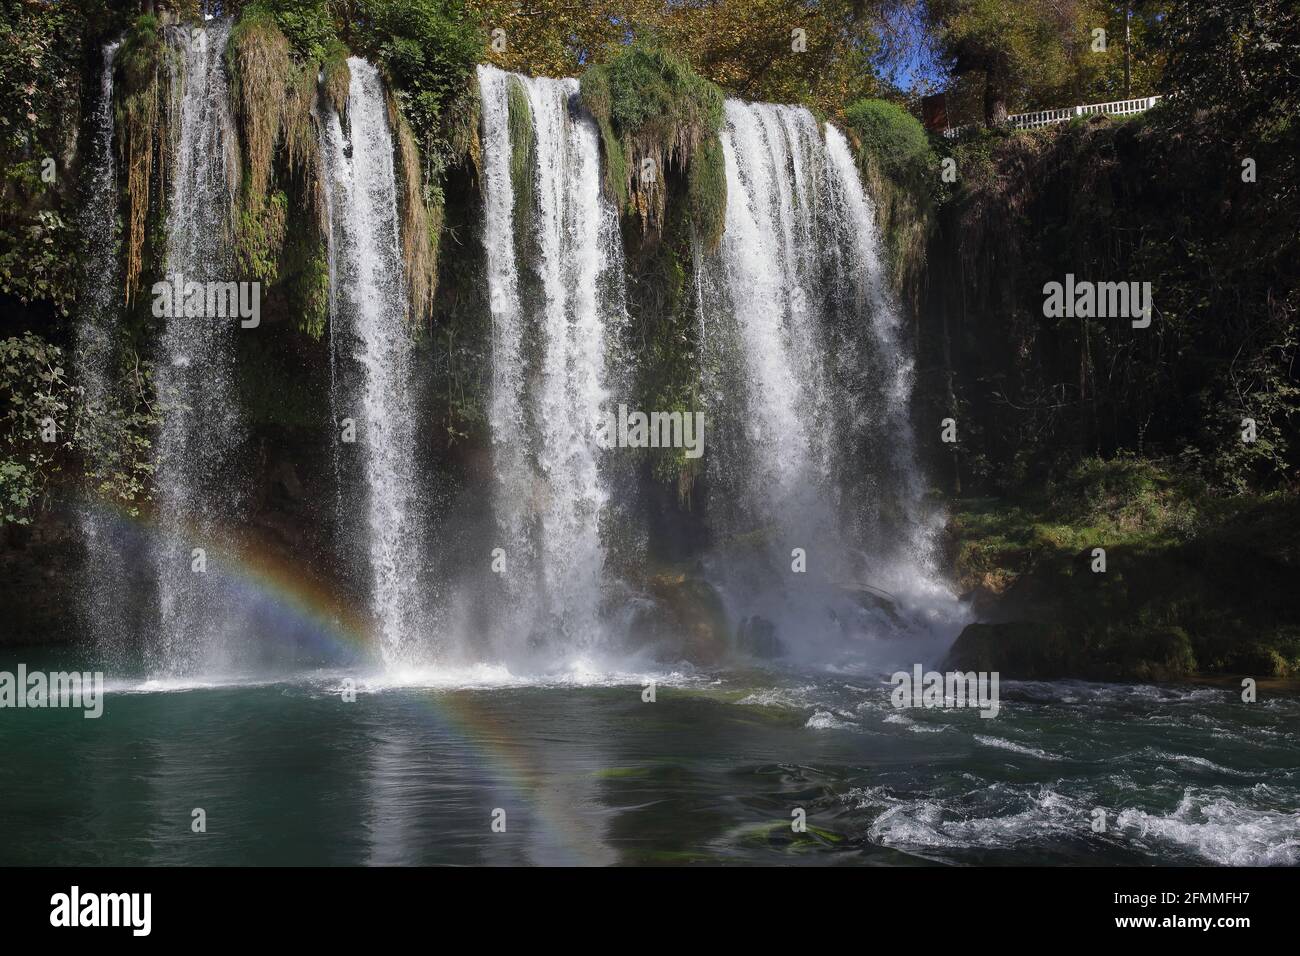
(1015, 46)
(40, 52)
(788, 51)
(1155, 200)
(1024, 55)
(35, 395)
(1237, 62)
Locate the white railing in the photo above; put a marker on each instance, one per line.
(1052, 117)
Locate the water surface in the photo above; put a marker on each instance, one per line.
(586, 772)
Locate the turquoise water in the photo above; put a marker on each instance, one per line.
(587, 772)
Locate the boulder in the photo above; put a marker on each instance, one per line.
(684, 621)
(1018, 650)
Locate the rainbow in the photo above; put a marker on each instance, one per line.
(297, 602)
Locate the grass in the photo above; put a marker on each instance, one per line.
(421, 230)
(1125, 502)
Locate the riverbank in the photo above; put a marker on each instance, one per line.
(1127, 570)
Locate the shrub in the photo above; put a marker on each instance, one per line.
(650, 104)
(894, 138)
(307, 24)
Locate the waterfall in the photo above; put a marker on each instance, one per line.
(878, 397)
(549, 378)
(95, 361)
(510, 450)
(771, 155)
(369, 329)
(196, 477)
(809, 379)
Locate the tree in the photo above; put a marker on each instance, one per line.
(1015, 46)
(789, 51)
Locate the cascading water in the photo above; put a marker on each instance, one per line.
(510, 446)
(95, 362)
(767, 263)
(808, 363)
(878, 399)
(196, 480)
(549, 386)
(797, 312)
(369, 313)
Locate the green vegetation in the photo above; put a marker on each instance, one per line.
(140, 127)
(1193, 582)
(1008, 56)
(899, 169)
(279, 225)
(421, 214)
(35, 394)
(114, 437)
(427, 51)
(40, 49)
(777, 51)
(664, 334)
(655, 117)
(337, 77)
(1236, 62)
(1126, 501)
(894, 139)
(1164, 198)
(258, 59)
(307, 25)
(520, 122)
(47, 427)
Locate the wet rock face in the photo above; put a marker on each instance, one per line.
(684, 620)
(756, 636)
(1019, 650)
(44, 564)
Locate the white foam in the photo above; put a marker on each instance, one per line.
(1218, 829)
(825, 720)
(1003, 744)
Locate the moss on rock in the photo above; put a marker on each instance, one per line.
(336, 77)
(522, 153)
(687, 622)
(1192, 583)
(657, 117)
(421, 219)
(898, 167)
